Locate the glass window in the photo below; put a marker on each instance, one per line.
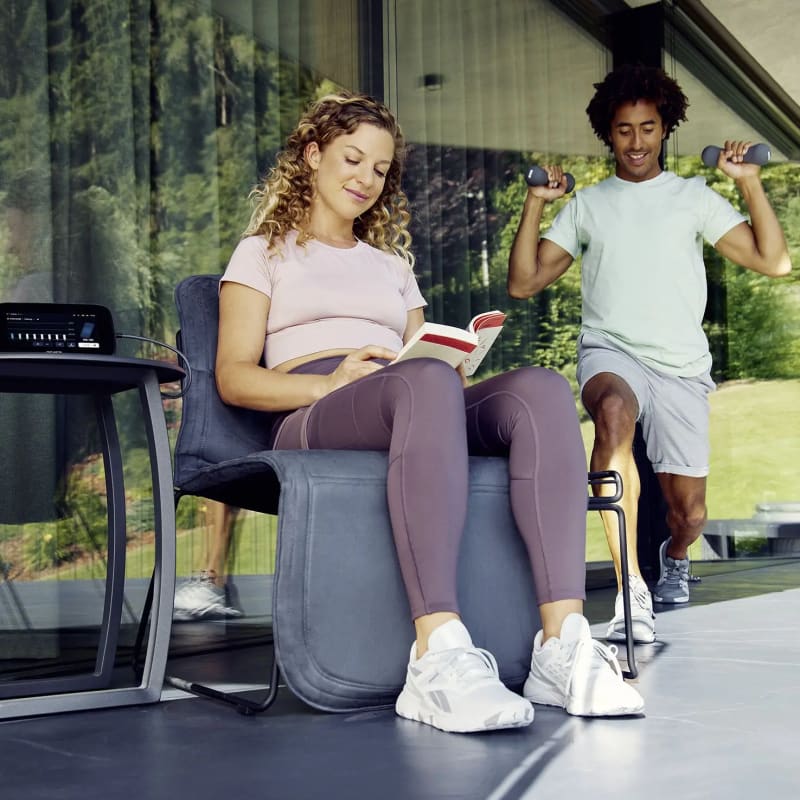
(753, 326)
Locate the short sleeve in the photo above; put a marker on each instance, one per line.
(250, 265)
(719, 216)
(411, 293)
(564, 230)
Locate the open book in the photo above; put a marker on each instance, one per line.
(455, 345)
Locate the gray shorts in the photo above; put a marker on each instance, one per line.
(673, 411)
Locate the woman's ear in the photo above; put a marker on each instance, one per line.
(312, 154)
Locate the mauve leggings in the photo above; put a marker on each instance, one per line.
(419, 411)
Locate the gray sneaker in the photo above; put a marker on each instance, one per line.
(201, 598)
(673, 584)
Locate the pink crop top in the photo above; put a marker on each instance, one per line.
(326, 298)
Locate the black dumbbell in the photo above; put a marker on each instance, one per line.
(756, 154)
(536, 176)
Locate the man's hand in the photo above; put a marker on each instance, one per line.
(555, 187)
(731, 160)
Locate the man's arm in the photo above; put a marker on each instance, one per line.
(760, 245)
(535, 263)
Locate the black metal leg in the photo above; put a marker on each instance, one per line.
(632, 670)
(611, 503)
(242, 704)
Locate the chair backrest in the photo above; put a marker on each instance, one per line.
(211, 432)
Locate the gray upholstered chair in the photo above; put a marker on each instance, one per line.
(341, 623)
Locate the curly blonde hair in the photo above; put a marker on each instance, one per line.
(282, 202)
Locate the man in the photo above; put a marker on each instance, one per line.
(642, 352)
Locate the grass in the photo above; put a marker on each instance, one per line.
(755, 439)
(252, 552)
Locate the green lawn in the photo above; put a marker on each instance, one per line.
(755, 447)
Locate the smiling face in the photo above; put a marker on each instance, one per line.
(637, 133)
(350, 175)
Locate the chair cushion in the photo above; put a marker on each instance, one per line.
(341, 618)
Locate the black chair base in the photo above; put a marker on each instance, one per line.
(243, 705)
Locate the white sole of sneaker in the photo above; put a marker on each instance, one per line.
(668, 602)
(619, 711)
(542, 698)
(410, 707)
(641, 635)
(642, 632)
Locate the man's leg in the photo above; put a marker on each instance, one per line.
(686, 511)
(204, 596)
(686, 517)
(614, 409)
(221, 523)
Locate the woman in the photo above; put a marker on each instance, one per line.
(321, 288)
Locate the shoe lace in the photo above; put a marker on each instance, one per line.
(469, 663)
(676, 572)
(600, 657)
(641, 604)
(198, 589)
(641, 594)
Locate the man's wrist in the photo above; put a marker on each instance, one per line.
(747, 184)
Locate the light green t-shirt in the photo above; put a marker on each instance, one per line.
(643, 280)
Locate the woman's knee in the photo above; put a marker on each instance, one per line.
(429, 374)
(537, 382)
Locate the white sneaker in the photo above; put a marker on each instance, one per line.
(579, 674)
(455, 686)
(201, 598)
(643, 620)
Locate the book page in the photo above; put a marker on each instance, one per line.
(488, 319)
(487, 326)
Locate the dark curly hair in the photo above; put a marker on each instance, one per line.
(629, 83)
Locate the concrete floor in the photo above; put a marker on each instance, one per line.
(721, 685)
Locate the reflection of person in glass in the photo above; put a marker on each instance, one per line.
(642, 352)
(324, 274)
(207, 594)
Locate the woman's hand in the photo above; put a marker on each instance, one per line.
(358, 364)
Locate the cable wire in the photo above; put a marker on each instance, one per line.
(186, 383)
